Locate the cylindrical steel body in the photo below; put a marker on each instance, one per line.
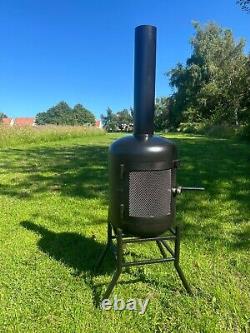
(142, 173)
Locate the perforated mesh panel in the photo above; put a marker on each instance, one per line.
(149, 193)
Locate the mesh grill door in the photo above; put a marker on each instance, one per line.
(150, 193)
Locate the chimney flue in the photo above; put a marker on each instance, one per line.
(144, 79)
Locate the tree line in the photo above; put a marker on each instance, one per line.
(123, 120)
(63, 114)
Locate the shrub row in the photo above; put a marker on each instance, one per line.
(217, 131)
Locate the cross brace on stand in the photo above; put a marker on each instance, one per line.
(162, 244)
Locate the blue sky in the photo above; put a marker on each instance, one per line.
(81, 51)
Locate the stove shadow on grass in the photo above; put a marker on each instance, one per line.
(72, 250)
(80, 253)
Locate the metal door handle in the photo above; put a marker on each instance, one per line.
(179, 189)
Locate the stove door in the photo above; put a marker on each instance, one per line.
(150, 193)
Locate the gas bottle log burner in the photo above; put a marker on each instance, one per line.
(142, 176)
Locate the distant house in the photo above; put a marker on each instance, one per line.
(7, 121)
(24, 121)
(98, 123)
(21, 122)
(18, 121)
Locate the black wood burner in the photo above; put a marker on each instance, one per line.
(142, 174)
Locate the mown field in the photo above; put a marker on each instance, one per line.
(53, 211)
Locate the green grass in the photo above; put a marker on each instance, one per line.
(53, 211)
(16, 136)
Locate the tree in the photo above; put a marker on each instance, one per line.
(209, 88)
(161, 119)
(124, 120)
(62, 114)
(244, 4)
(245, 101)
(82, 116)
(57, 115)
(2, 115)
(109, 121)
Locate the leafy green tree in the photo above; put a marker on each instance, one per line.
(245, 4)
(245, 98)
(124, 119)
(62, 114)
(161, 119)
(209, 88)
(131, 110)
(2, 115)
(82, 116)
(57, 115)
(110, 121)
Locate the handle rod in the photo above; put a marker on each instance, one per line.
(180, 189)
(184, 188)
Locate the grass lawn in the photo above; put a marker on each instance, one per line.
(53, 210)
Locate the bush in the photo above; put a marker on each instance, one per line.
(221, 131)
(195, 128)
(216, 131)
(244, 132)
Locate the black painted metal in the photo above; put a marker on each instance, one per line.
(144, 79)
(141, 168)
(122, 263)
(142, 152)
(148, 239)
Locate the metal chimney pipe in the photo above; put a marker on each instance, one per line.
(144, 79)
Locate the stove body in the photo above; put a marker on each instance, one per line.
(142, 175)
(142, 167)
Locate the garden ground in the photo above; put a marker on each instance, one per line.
(53, 211)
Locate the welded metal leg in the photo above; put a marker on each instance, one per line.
(107, 247)
(183, 279)
(162, 245)
(159, 244)
(170, 250)
(176, 262)
(119, 265)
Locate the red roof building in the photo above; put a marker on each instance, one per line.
(98, 124)
(24, 122)
(7, 121)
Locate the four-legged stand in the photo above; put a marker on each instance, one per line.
(168, 254)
